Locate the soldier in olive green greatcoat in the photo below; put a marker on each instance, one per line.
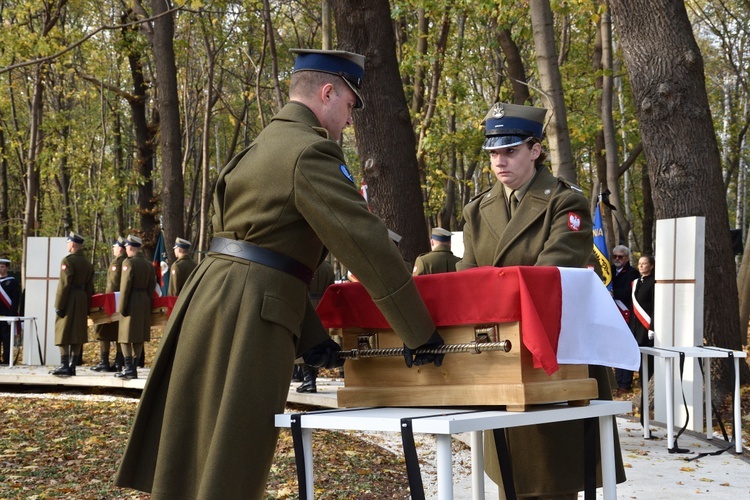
(531, 218)
(137, 286)
(181, 268)
(72, 304)
(108, 332)
(440, 259)
(205, 424)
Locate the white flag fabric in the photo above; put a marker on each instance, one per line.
(592, 330)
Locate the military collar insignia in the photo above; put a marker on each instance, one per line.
(346, 173)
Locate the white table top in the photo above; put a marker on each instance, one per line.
(450, 420)
(692, 352)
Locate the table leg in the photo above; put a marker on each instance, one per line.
(444, 467)
(737, 407)
(607, 445)
(12, 341)
(670, 402)
(707, 397)
(477, 465)
(307, 446)
(645, 409)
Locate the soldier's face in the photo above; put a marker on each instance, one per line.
(338, 110)
(116, 250)
(3, 270)
(514, 166)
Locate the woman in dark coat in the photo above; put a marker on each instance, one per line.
(642, 320)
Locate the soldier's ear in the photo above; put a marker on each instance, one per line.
(536, 150)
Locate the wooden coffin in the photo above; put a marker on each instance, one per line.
(492, 378)
(103, 310)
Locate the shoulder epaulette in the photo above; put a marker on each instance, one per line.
(571, 185)
(480, 195)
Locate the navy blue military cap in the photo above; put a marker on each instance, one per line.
(75, 238)
(509, 125)
(348, 65)
(119, 242)
(134, 241)
(5, 261)
(441, 235)
(181, 243)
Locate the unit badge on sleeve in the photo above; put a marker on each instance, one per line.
(574, 221)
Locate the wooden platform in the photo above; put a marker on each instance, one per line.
(22, 375)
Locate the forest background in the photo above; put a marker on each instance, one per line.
(116, 116)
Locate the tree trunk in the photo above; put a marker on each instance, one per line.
(30, 223)
(666, 74)
(515, 68)
(383, 131)
(4, 214)
(558, 136)
(145, 140)
(173, 189)
(620, 226)
(417, 98)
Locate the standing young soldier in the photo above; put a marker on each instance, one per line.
(136, 292)
(108, 332)
(181, 268)
(72, 304)
(532, 218)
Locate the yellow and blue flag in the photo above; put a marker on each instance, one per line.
(600, 248)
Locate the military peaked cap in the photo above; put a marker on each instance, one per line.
(348, 65)
(509, 125)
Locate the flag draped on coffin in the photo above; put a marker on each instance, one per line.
(160, 260)
(600, 248)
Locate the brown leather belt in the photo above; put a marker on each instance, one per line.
(263, 256)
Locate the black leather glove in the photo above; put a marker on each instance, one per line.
(60, 313)
(423, 359)
(324, 355)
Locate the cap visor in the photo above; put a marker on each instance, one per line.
(502, 141)
(360, 102)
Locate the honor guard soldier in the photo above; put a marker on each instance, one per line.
(181, 268)
(245, 314)
(137, 286)
(108, 332)
(10, 293)
(440, 259)
(532, 218)
(72, 304)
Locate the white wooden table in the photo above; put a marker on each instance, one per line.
(14, 320)
(444, 422)
(706, 353)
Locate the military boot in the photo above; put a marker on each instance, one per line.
(129, 372)
(310, 374)
(64, 369)
(297, 374)
(103, 365)
(119, 362)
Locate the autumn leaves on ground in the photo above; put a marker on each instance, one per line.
(68, 444)
(64, 446)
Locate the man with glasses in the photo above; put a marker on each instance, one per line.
(623, 276)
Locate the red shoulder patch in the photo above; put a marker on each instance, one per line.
(574, 221)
